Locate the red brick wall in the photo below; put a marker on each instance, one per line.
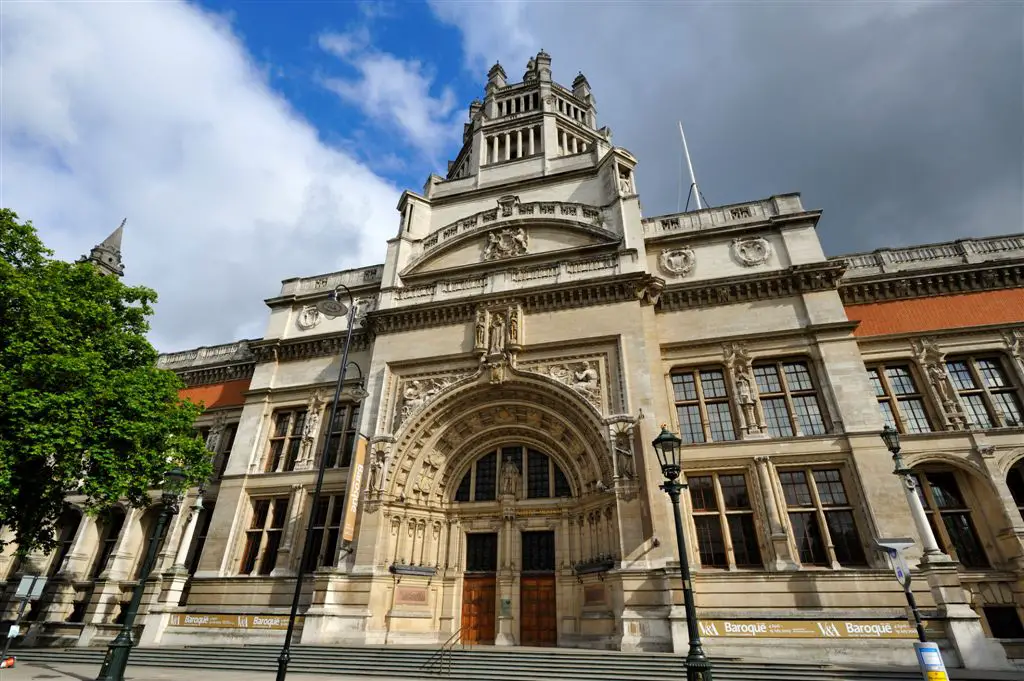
(227, 394)
(941, 312)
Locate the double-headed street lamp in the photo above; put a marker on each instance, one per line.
(116, 660)
(330, 307)
(698, 667)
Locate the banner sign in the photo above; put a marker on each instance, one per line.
(808, 629)
(348, 525)
(223, 621)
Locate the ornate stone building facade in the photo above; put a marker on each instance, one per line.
(519, 348)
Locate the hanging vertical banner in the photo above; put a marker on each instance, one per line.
(348, 532)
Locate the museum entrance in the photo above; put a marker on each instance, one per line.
(479, 594)
(538, 623)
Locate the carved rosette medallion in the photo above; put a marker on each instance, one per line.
(505, 243)
(582, 375)
(752, 251)
(677, 261)
(308, 318)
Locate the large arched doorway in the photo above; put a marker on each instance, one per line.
(512, 478)
(493, 495)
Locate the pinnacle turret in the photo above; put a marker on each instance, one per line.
(106, 256)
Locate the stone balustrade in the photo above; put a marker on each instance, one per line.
(214, 354)
(361, 276)
(722, 216)
(962, 251)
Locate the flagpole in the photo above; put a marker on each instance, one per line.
(693, 180)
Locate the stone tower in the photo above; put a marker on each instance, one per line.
(107, 255)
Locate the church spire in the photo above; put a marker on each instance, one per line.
(107, 255)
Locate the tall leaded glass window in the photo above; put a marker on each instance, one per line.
(702, 405)
(538, 476)
(789, 398)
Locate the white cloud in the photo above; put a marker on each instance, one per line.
(155, 112)
(394, 93)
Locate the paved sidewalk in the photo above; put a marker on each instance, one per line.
(41, 671)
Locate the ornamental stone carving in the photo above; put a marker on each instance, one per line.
(506, 204)
(677, 261)
(933, 362)
(739, 365)
(582, 376)
(216, 431)
(505, 243)
(308, 318)
(510, 478)
(752, 251)
(363, 307)
(418, 392)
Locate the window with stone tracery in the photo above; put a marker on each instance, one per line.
(821, 517)
(326, 532)
(342, 436)
(789, 398)
(263, 538)
(724, 520)
(950, 516)
(702, 405)
(988, 395)
(535, 476)
(899, 398)
(285, 439)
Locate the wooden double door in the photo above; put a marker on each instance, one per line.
(538, 612)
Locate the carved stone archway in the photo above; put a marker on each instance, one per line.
(438, 440)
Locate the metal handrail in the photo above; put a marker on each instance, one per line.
(439, 654)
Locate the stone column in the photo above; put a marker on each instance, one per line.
(185, 541)
(782, 559)
(494, 149)
(530, 141)
(519, 143)
(286, 555)
(508, 146)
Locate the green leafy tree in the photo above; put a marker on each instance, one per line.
(84, 411)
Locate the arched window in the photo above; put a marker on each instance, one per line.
(950, 516)
(1015, 481)
(67, 526)
(539, 477)
(110, 529)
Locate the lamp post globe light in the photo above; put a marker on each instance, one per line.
(667, 445)
(116, 660)
(332, 307)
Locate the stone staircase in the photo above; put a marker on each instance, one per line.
(477, 663)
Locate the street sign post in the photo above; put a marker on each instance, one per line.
(30, 588)
(929, 658)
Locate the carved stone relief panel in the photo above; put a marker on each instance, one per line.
(582, 374)
(752, 251)
(505, 243)
(414, 393)
(677, 261)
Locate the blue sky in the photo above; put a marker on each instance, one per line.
(250, 142)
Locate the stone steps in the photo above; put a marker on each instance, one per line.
(473, 664)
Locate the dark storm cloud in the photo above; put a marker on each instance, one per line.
(902, 121)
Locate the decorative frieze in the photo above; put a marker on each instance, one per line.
(221, 374)
(785, 283)
(964, 279)
(326, 345)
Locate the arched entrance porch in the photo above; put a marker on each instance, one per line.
(494, 497)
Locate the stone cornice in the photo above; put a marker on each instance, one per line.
(323, 345)
(636, 286)
(936, 282)
(792, 281)
(217, 374)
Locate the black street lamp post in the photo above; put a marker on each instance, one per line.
(331, 307)
(698, 667)
(116, 660)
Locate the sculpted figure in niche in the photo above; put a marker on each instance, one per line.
(937, 374)
(585, 377)
(497, 335)
(513, 326)
(625, 182)
(743, 389)
(509, 477)
(481, 329)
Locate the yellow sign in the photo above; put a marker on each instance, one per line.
(225, 621)
(348, 525)
(807, 629)
(937, 676)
